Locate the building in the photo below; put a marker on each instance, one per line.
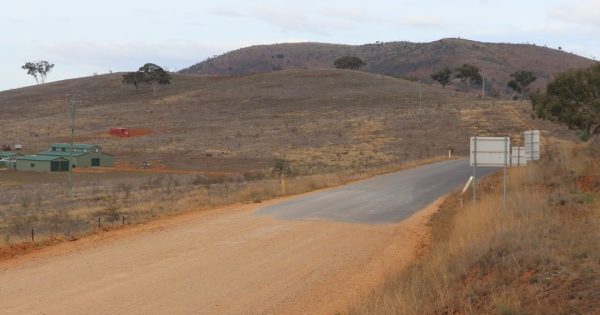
(8, 159)
(42, 163)
(84, 155)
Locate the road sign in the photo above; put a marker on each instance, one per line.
(490, 151)
(518, 157)
(532, 144)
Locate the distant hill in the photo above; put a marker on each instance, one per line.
(414, 61)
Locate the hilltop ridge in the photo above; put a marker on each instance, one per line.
(414, 61)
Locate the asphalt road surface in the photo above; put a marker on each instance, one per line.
(384, 199)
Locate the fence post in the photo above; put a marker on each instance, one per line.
(32, 235)
(123, 220)
(98, 222)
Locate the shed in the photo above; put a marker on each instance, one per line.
(42, 163)
(84, 155)
(7, 159)
(9, 155)
(77, 147)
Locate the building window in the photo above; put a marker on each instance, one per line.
(64, 149)
(32, 164)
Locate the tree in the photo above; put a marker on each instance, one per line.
(38, 70)
(520, 81)
(148, 74)
(573, 98)
(468, 73)
(349, 62)
(283, 169)
(442, 76)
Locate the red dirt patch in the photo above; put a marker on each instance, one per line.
(139, 132)
(15, 250)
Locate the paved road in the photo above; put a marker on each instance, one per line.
(384, 199)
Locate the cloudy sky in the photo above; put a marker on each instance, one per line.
(85, 37)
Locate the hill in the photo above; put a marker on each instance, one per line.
(318, 119)
(415, 61)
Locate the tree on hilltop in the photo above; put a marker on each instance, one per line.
(442, 76)
(469, 73)
(573, 98)
(349, 62)
(148, 74)
(38, 70)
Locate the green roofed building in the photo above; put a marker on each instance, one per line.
(42, 163)
(7, 159)
(84, 155)
(6, 155)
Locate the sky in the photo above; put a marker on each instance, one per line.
(83, 37)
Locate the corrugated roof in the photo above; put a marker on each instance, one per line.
(39, 158)
(4, 154)
(64, 154)
(75, 145)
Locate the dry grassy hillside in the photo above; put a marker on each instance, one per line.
(401, 59)
(318, 119)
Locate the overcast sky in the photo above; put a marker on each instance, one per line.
(85, 37)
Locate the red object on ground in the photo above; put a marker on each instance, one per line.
(119, 132)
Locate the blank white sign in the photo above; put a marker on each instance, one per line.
(532, 144)
(518, 156)
(490, 151)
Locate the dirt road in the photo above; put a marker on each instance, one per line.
(227, 261)
(222, 262)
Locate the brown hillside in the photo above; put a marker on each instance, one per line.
(401, 59)
(319, 119)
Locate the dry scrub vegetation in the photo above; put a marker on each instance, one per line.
(40, 201)
(541, 256)
(324, 120)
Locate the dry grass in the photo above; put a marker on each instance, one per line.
(41, 203)
(541, 256)
(320, 120)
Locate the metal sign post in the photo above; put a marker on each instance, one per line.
(506, 157)
(492, 152)
(474, 164)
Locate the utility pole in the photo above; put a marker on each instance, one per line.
(483, 87)
(73, 103)
(420, 99)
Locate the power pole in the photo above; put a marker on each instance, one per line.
(420, 99)
(483, 87)
(73, 103)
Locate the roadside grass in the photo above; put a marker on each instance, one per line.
(101, 206)
(541, 256)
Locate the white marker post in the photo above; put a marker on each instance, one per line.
(465, 189)
(491, 152)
